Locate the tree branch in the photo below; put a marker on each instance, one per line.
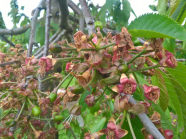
(59, 36)
(15, 31)
(6, 40)
(149, 126)
(47, 27)
(8, 63)
(77, 10)
(33, 27)
(88, 18)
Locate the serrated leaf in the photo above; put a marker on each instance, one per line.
(164, 97)
(174, 102)
(98, 125)
(156, 26)
(181, 93)
(161, 7)
(179, 13)
(173, 5)
(41, 35)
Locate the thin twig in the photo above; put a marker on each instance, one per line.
(130, 126)
(47, 27)
(59, 36)
(72, 133)
(33, 27)
(8, 63)
(6, 40)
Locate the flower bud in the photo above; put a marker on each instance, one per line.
(168, 134)
(90, 100)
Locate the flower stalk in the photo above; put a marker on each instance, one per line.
(20, 111)
(138, 55)
(130, 126)
(151, 67)
(123, 118)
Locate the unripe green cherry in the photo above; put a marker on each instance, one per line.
(98, 24)
(52, 97)
(55, 48)
(36, 111)
(76, 89)
(58, 118)
(123, 68)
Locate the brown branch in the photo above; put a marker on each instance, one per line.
(33, 28)
(47, 27)
(59, 36)
(88, 18)
(77, 10)
(6, 40)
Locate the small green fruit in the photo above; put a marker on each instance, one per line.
(52, 97)
(123, 68)
(36, 111)
(58, 118)
(98, 24)
(76, 89)
(55, 48)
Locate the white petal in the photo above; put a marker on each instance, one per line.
(80, 120)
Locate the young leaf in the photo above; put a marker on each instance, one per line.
(98, 125)
(180, 12)
(161, 7)
(156, 26)
(169, 44)
(41, 35)
(173, 5)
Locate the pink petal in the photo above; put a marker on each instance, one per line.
(111, 126)
(147, 88)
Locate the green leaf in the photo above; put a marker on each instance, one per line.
(98, 125)
(153, 7)
(126, 10)
(136, 125)
(109, 4)
(24, 22)
(173, 5)
(156, 26)
(169, 44)
(95, 108)
(1, 112)
(180, 12)
(41, 35)
(82, 100)
(161, 7)
(111, 105)
(166, 124)
(174, 102)
(181, 92)
(164, 97)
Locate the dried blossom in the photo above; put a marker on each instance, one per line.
(151, 92)
(113, 131)
(45, 64)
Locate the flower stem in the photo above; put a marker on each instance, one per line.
(138, 55)
(101, 95)
(62, 82)
(47, 79)
(151, 67)
(130, 126)
(41, 118)
(42, 92)
(68, 58)
(9, 82)
(105, 46)
(123, 118)
(69, 82)
(30, 102)
(20, 111)
(32, 127)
